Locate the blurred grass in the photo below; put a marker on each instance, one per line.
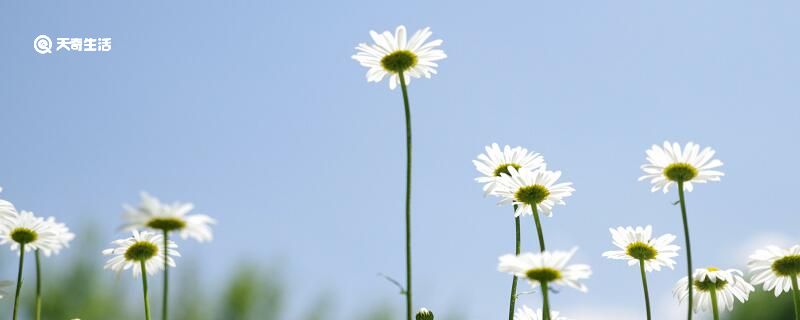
(80, 288)
(764, 306)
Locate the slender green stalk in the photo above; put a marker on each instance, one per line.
(19, 278)
(409, 308)
(545, 302)
(144, 290)
(38, 287)
(538, 228)
(644, 284)
(688, 246)
(514, 282)
(796, 296)
(165, 297)
(714, 307)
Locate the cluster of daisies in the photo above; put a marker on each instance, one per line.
(521, 178)
(148, 250)
(24, 232)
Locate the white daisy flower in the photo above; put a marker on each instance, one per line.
(393, 53)
(775, 268)
(62, 235)
(153, 214)
(549, 267)
(495, 162)
(671, 164)
(3, 285)
(639, 244)
(526, 313)
(728, 285)
(34, 232)
(532, 188)
(143, 247)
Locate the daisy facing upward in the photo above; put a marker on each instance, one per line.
(714, 287)
(639, 247)
(401, 59)
(492, 165)
(778, 270)
(168, 218)
(26, 232)
(684, 167)
(144, 253)
(494, 162)
(532, 193)
(545, 269)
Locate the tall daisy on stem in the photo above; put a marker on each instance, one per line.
(26, 232)
(532, 193)
(168, 218)
(145, 254)
(401, 59)
(778, 269)
(492, 165)
(714, 288)
(546, 269)
(62, 238)
(686, 166)
(639, 247)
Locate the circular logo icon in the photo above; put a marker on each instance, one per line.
(42, 44)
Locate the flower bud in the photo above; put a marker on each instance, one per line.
(424, 314)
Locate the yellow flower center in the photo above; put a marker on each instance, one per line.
(399, 61)
(532, 195)
(141, 251)
(543, 274)
(24, 235)
(503, 168)
(680, 172)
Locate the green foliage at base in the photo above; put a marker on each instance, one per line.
(764, 306)
(78, 287)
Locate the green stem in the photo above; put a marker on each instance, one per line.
(165, 297)
(545, 302)
(408, 195)
(19, 278)
(538, 227)
(38, 287)
(514, 282)
(714, 307)
(796, 296)
(144, 290)
(688, 247)
(644, 284)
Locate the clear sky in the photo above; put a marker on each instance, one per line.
(254, 111)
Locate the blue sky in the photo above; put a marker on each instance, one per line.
(254, 111)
